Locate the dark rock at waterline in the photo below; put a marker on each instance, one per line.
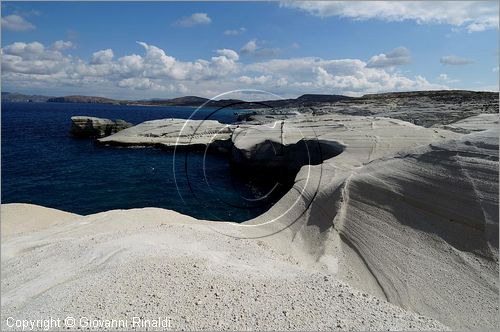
(243, 117)
(91, 127)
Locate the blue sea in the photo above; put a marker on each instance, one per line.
(43, 164)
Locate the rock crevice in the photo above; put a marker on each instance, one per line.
(401, 211)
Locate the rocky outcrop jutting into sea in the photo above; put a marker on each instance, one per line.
(388, 225)
(88, 126)
(399, 209)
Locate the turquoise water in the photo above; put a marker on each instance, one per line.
(42, 164)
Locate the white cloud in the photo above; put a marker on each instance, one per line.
(396, 57)
(495, 70)
(473, 15)
(446, 79)
(130, 65)
(443, 77)
(154, 71)
(158, 64)
(254, 80)
(16, 23)
(249, 47)
(31, 59)
(102, 57)
(488, 23)
(346, 76)
(454, 60)
(24, 49)
(62, 45)
(252, 48)
(234, 32)
(194, 19)
(140, 83)
(230, 54)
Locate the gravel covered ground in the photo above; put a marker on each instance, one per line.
(150, 263)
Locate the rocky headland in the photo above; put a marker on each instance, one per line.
(92, 127)
(391, 223)
(470, 102)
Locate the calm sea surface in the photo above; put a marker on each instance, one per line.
(42, 164)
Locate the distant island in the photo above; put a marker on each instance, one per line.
(194, 101)
(305, 100)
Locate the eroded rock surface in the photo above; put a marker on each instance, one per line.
(92, 127)
(423, 108)
(474, 123)
(404, 213)
(172, 133)
(154, 263)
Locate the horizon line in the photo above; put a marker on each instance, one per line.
(196, 96)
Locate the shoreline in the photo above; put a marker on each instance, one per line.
(351, 233)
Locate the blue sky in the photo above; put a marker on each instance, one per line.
(207, 48)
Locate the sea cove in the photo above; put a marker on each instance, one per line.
(250, 166)
(43, 164)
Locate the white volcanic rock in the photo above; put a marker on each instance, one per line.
(89, 126)
(279, 145)
(154, 263)
(425, 226)
(423, 108)
(474, 123)
(170, 133)
(404, 213)
(32, 219)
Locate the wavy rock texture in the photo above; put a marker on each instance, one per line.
(412, 222)
(406, 214)
(474, 123)
(155, 263)
(425, 225)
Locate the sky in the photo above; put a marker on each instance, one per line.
(141, 50)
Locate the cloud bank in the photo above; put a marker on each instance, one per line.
(472, 15)
(156, 73)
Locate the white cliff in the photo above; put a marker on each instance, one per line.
(389, 225)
